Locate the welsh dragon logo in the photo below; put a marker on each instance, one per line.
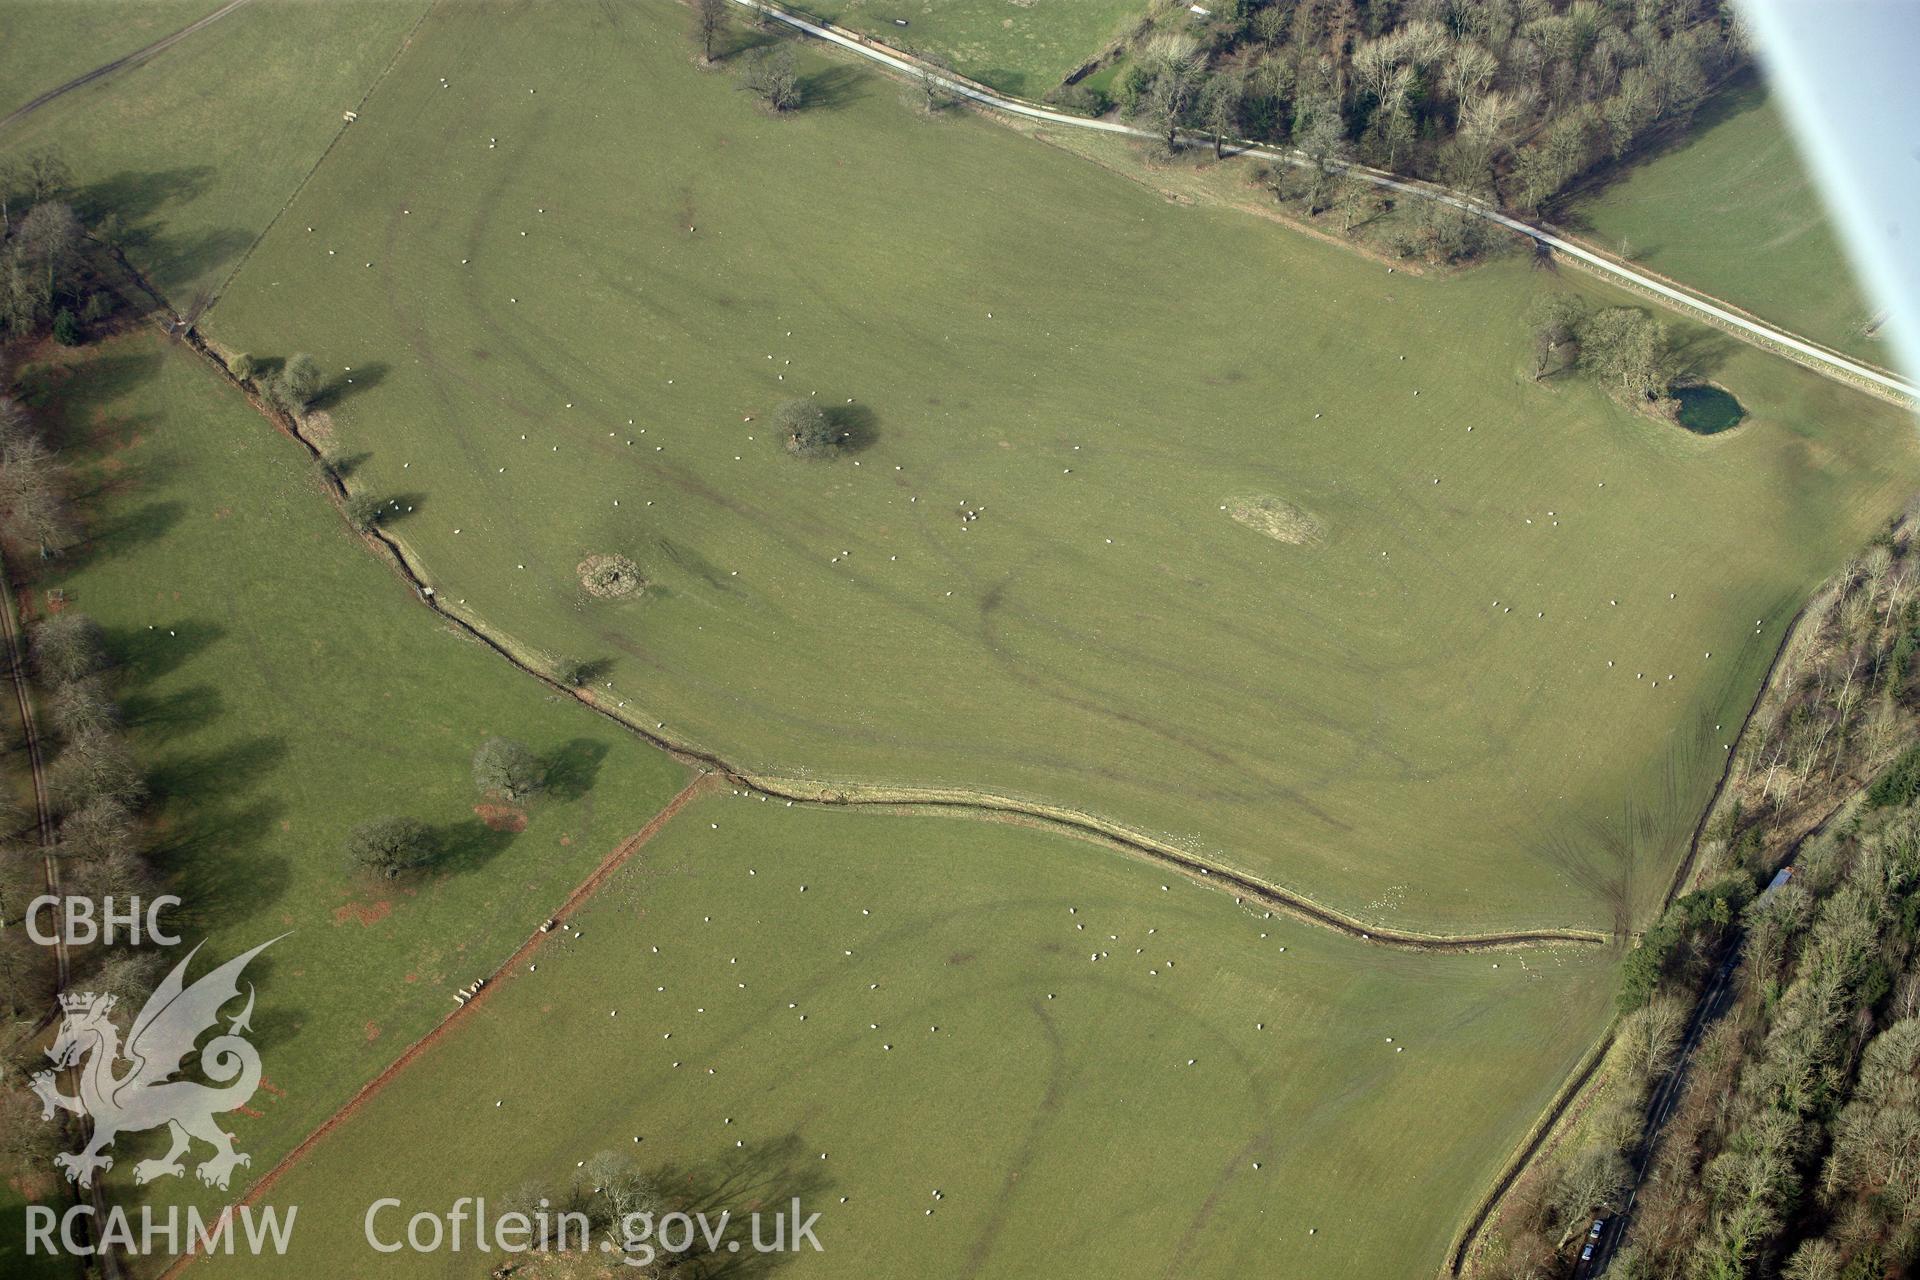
(128, 1088)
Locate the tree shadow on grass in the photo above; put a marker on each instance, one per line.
(833, 88)
(105, 538)
(398, 508)
(572, 767)
(135, 197)
(338, 389)
(745, 38)
(69, 401)
(856, 425)
(766, 1176)
(210, 853)
(461, 847)
(1701, 354)
(690, 561)
(229, 769)
(177, 263)
(346, 464)
(161, 716)
(143, 655)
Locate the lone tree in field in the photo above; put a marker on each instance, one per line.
(771, 78)
(1554, 321)
(807, 429)
(1627, 350)
(507, 768)
(386, 847)
(299, 383)
(710, 19)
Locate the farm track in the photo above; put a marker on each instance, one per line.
(705, 782)
(43, 811)
(127, 60)
(1722, 315)
(43, 829)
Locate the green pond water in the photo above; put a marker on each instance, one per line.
(1707, 410)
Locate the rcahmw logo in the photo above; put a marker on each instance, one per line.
(130, 1087)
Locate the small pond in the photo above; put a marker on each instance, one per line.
(1707, 410)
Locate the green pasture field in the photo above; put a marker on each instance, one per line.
(195, 151)
(1021, 48)
(572, 289)
(280, 686)
(1731, 211)
(45, 43)
(915, 999)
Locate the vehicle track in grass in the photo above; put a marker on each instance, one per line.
(701, 784)
(903, 799)
(106, 69)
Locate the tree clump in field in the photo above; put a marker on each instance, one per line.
(771, 77)
(610, 577)
(46, 282)
(1553, 324)
(298, 384)
(42, 269)
(507, 768)
(1624, 349)
(1628, 352)
(808, 430)
(386, 847)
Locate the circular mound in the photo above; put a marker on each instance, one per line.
(1276, 518)
(610, 577)
(1706, 409)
